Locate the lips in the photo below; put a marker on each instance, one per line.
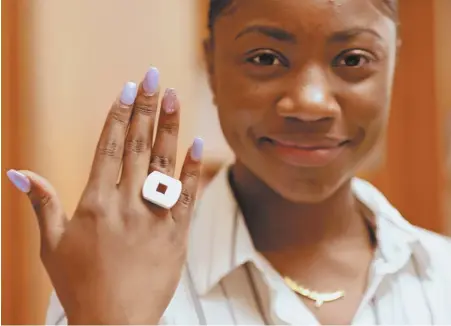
(303, 151)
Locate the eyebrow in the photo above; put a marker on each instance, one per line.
(349, 34)
(282, 35)
(273, 32)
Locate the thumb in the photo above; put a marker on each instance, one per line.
(49, 211)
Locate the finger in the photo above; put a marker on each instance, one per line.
(182, 210)
(49, 211)
(139, 138)
(164, 151)
(108, 157)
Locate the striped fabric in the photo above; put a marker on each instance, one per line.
(226, 281)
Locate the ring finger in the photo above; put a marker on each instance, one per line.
(164, 151)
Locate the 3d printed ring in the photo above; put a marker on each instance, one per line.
(161, 189)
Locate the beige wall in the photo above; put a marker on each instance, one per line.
(81, 54)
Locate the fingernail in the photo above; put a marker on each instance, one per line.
(170, 99)
(151, 80)
(19, 180)
(197, 149)
(129, 92)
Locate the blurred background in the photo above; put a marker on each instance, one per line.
(64, 62)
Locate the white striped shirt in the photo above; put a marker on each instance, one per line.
(226, 281)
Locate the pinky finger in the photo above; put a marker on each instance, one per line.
(189, 178)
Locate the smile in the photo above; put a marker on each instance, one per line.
(306, 153)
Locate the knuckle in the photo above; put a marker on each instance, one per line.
(160, 162)
(169, 127)
(186, 198)
(110, 148)
(40, 202)
(136, 146)
(129, 212)
(177, 240)
(94, 205)
(191, 175)
(145, 109)
(119, 117)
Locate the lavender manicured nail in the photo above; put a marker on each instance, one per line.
(19, 180)
(151, 80)
(170, 99)
(197, 149)
(128, 94)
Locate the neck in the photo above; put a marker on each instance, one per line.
(276, 224)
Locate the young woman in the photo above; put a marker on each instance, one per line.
(286, 234)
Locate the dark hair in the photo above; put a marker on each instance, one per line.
(218, 6)
(215, 9)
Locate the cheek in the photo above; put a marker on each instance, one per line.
(366, 104)
(366, 107)
(241, 110)
(238, 91)
(242, 104)
(234, 120)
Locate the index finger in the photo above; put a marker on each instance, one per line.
(108, 156)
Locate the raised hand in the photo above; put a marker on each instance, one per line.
(118, 260)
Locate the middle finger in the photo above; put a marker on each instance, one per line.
(138, 143)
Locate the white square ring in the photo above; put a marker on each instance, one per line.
(161, 189)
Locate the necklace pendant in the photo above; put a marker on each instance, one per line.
(318, 303)
(319, 298)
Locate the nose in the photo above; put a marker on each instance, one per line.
(309, 97)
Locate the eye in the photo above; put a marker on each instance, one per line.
(265, 58)
(353, 59)
(356, 65)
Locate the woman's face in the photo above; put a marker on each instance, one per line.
(303, 89)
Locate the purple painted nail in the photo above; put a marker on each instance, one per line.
(19, 180)
(170, 99)
(197, 149)
(151, 80)
(129, 93)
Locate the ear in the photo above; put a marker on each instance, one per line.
(209, 62)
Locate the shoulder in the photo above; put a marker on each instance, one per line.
(434, 248)
(433, 252)
(434, 240)
(437, 247)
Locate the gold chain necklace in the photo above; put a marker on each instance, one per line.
(319, 298)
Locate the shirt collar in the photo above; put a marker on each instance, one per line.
(397, 239)
(219, 240)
